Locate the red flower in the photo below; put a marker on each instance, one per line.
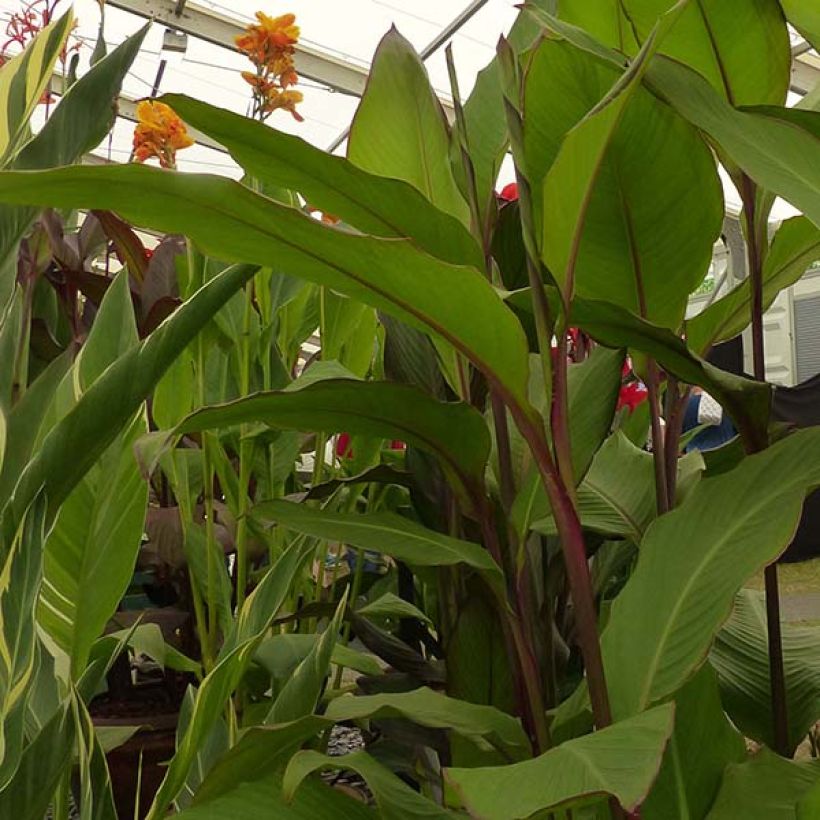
(631, 395)
(509, 193)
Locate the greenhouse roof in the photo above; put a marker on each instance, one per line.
(337, 43)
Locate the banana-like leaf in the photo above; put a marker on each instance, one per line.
(454, 432)
(23, 80)
(574, 772)
(740, 656)
(776, 150)
(755, 70)
(399, 129)
(795, 246)
(612, 234)
(374, 204)
(693, 560)
(395, 799)
(391, 606)
(387, 533)
(20, 579)
(767, 787)
(228, 221)
(426, 707)
(279, 655)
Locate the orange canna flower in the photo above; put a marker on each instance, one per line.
(270, 44)
(159, 133)
(286, 101)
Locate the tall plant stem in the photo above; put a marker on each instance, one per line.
(658, 458)
(676, 404)
(755, 238)
(245, 455)
(575, 560)
(559, 416)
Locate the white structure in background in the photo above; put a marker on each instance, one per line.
(791, 325)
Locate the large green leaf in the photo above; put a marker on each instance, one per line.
(454, 432)
(776, 150)
(263, 798)
(741, 657)
(399, 129)
(621, 760)
(795, 246)
(767, 787)
(374, 204)
(24, 78)
(19, 584)
(749, 70)
(385, 532)
(429, 708)
(83, 435)
(692, 562)
(231, 222)
(395, 799)
(623, 219)
(279, 655)
(700, 748)
(98, 529)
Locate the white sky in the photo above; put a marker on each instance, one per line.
(350, 29)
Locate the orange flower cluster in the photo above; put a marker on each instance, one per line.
(269, 45)
(159, 133)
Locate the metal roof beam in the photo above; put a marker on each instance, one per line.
(221, 30)
(805, 73)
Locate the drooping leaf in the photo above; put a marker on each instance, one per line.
(454, 432)
(702, 745)
(693, 560)
(373, 203)
(230, 222)
(776, 150)
(767, 787)
(385, 532)
(576, 771)
(429, 708)
(740, 656)
(279, 655)
(395, 799)
(400, 130)
(391, 606)
(747, 402)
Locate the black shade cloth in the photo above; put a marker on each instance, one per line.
(800, 406)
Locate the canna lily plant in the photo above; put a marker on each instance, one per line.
(549, 634)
